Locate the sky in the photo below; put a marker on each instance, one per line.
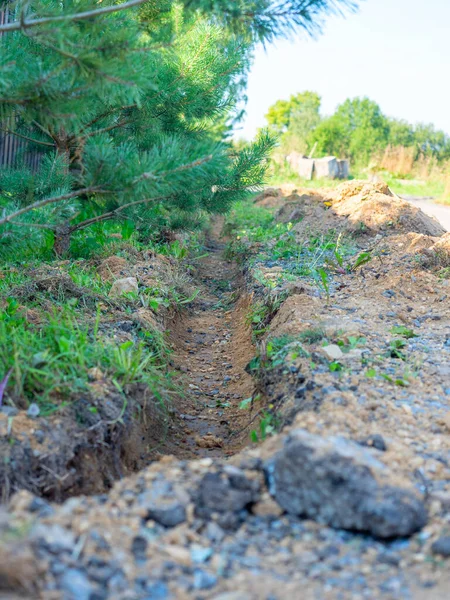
(396, 52)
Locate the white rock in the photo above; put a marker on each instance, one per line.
(333, 352)
(124, 286)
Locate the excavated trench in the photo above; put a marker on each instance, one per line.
(212, 345)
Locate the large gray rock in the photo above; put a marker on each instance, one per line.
(339, 483)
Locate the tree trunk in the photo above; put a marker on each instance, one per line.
(61, 244)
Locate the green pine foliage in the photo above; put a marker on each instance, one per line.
(130, 111)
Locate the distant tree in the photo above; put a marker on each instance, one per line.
(367, 129)
(432, 142)
(330, 138)
(293, 120)
(401, 133)
(301, 111)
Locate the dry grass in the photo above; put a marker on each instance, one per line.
(398, 160)
(402, 162)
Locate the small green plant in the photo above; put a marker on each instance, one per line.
(350, 343)
(362, 259)
(404, 332)
(258, 314)
(336, 366)
(311, 336)
(323, 275)
(400, 381)
(268, 425)
(247, 403)
(396, 349)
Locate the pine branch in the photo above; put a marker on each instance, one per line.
(82, 16)
(113, 213)
(46, 201)
(192, 165)
(35, 225)
(25, 137)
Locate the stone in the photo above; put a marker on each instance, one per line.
(9, 411)
(200, 554)
(214, 533)
(227, 492)
(157, 591)
(76, 585)
(332, 352)
(124, 286)
(33, 410)
(374, 441)
(54, 538)
(164, 503)
(139, 547)
(341, 484)
(41, 507)
(100, 570)
(441, 546)
(204, 580)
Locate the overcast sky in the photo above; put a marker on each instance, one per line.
(396, 52)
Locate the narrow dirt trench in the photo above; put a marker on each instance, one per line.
(212, 346)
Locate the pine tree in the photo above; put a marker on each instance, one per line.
(128, 107)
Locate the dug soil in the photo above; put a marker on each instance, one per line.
(348, 495)
(212, 343)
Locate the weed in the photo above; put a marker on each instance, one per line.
(311, 336)
(400, 381)
(85, 276)
(258, 314)
(268, 425)
(350, 343)
(404, 331)
(361, 260)
(395, 347)
(335, 366)
(236, 251)
(324, 281)
(275, 352)
(247, 403)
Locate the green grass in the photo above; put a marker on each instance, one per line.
(414, 187)
(85, 275)
(51, 362)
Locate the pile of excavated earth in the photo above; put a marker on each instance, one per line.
(349, 500)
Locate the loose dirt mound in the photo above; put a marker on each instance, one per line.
(375, 207)
(277, 197)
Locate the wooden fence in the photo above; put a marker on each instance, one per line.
(14, 149)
